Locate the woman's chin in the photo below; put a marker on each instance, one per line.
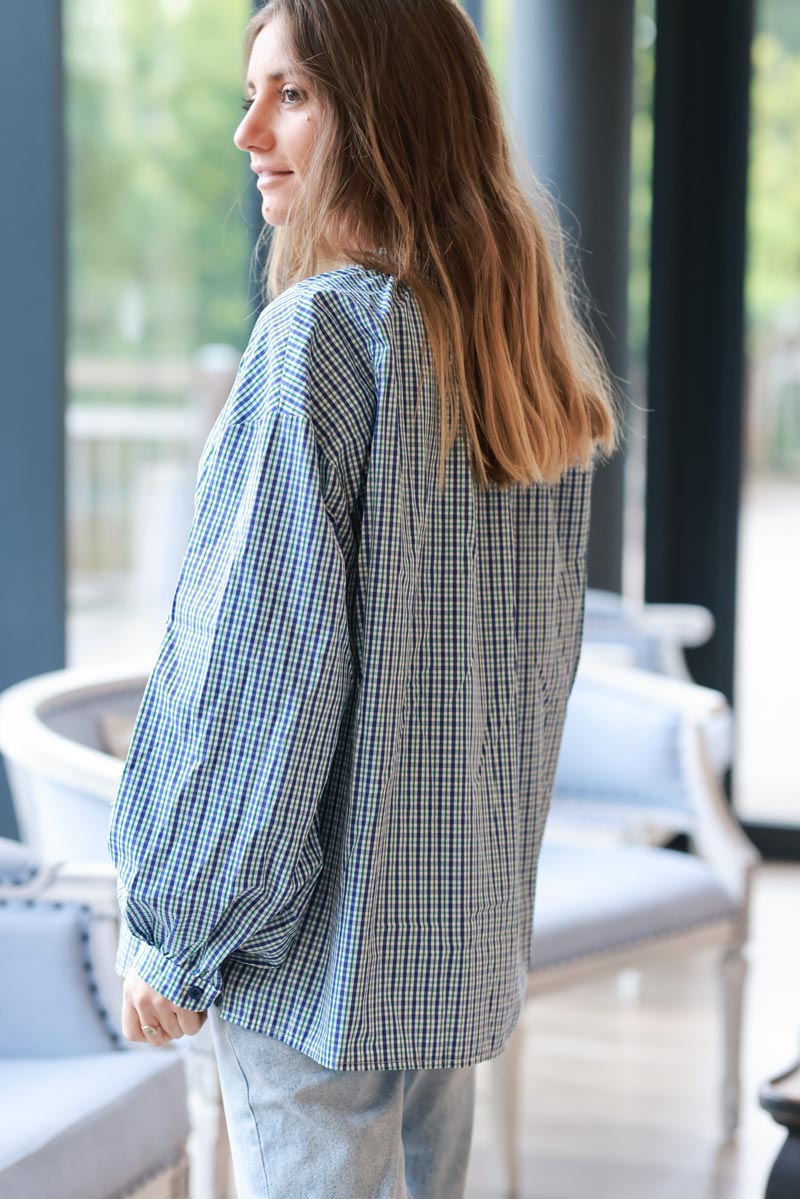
(273, 215)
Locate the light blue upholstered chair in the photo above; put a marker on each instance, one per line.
(84, 1114)
(641, 751)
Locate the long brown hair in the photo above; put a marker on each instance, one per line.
(412, 157)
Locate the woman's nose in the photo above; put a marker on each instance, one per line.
(253, 133)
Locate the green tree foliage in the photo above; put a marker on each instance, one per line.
(158, 246)
(641, 198)
(773, 275)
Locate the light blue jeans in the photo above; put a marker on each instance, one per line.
(300, 1131)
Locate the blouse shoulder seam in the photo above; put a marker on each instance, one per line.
(278, 406)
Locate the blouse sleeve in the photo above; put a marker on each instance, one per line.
(214, 829)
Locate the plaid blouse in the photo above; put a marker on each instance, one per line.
(330, 815)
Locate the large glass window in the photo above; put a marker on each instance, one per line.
(158, 252)
(158, 310)
(768, 632)
(641, 204)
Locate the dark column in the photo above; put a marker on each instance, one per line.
(694, 436)
(570, 84)
(32, 595)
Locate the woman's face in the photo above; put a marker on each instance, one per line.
(280, 123)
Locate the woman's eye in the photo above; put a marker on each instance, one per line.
(291, 94)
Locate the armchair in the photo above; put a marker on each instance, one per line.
(636, 745)
(84, 1113)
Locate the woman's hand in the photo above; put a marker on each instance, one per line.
(144, 1007)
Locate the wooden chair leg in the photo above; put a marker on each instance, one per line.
(733, 974)
(504, 1083)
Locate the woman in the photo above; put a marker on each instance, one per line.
(330, 815)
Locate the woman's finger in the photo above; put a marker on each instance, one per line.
(154, 1034)
(161, 1014)
(191, 1022)
(131, 1025)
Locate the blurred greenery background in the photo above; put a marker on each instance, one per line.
(159, 247)
(158, 243)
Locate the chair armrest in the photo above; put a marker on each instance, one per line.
(28, 741)
(717, 835)
(93, 884)
(684, 625)
(653, 636)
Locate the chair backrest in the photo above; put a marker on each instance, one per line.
(51, 1002)
(629, 744)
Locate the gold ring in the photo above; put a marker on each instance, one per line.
(148, 1031)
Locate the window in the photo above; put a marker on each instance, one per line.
(768, 570)
(158, 253)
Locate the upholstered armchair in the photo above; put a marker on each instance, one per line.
(85, 1114)
(640, 751)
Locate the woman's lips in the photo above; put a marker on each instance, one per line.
(265, 178)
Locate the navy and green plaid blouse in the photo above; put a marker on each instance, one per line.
(330, 815)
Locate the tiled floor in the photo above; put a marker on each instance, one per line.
(620, 1096)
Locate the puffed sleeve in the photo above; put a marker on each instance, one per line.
(214, 829)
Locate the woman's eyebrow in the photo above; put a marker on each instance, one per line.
(273, 77)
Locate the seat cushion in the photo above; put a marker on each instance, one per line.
(593, 900)
(84, 1127)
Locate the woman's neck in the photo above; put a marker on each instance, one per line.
(328, 259)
